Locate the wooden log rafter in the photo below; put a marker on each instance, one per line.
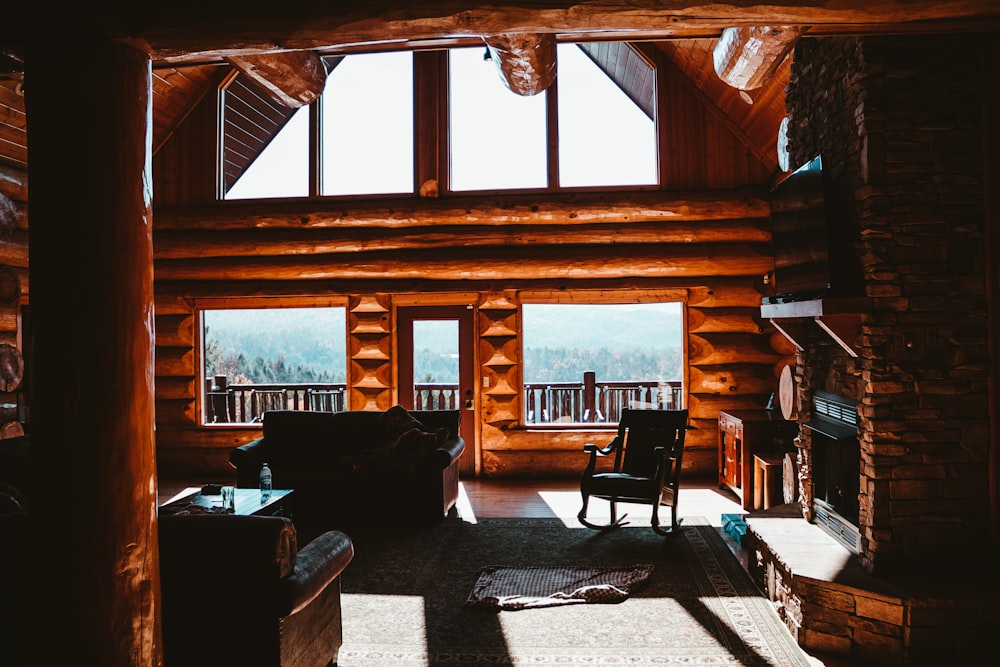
(227, 27)
(487, 263)
(293, 78)
(525, 61)
(565, 209)
(747, 57)
(282, 241)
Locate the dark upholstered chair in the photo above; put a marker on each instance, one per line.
(236, 590)
(647, 455)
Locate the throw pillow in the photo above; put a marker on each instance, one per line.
(396, 421)
(400, 456)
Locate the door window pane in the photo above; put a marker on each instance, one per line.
(435, 364)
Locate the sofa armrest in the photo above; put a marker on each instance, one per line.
(448, 453)
(247, 459)
(318, 564)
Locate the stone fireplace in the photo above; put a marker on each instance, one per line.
(893, 382)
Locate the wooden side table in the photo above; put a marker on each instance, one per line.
(742, 435)
(767, 473)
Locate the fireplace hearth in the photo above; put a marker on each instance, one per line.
(836, 457)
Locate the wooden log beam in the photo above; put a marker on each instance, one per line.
(177, 296)
(747, 57)
(561, 209)
(230, 27)
(709, 259)
(283, 241)
(525, 61)
(293, 78)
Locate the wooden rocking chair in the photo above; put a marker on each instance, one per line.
(647, 463)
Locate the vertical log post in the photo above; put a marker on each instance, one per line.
(94, 582)
(589, 396)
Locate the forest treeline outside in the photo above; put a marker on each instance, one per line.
(634, 342)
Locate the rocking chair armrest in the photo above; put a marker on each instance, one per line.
(601, 451)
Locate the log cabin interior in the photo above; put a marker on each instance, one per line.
(127, 237)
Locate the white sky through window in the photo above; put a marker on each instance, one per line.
(368, 125)
(282, 170)
(497, 138)
(604, 137)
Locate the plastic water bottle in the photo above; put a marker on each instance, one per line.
(265, 483)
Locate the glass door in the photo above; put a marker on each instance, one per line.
(436, 366)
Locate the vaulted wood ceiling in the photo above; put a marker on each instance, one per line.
(194, 45)
(177, 89)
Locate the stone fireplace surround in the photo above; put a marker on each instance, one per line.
(901, 123)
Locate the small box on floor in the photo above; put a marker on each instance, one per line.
(736, 527)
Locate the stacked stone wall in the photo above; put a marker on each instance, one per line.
(899, 123)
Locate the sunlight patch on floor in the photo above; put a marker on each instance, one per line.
(407, 611)
(464, 505)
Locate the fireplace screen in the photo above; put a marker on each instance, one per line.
(836, 457)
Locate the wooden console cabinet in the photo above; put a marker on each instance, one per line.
(744, 433)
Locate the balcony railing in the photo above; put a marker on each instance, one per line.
(583, 402)
(596, 402)
(246, 403)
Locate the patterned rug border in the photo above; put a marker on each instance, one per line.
(740, 623)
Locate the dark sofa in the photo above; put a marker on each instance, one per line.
(236, 590)
(359, 464)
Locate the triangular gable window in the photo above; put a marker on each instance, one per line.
(253, 124)
(605, 136)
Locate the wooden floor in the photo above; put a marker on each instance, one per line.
(504, 498)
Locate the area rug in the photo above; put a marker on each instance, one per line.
(516, 588)
(404, 597)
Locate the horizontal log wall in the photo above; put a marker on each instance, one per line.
(706, 239)
(732, 355)
(706, 236)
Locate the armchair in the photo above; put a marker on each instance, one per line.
(236, 590)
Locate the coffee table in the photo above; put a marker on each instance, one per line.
(248, 502)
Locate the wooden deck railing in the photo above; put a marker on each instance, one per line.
(583, 402)
(246, 403)
(595, 402)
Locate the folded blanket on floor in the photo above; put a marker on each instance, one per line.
(512, 588)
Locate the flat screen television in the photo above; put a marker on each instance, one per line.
(812, 258)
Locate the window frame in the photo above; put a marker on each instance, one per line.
(202, 304)
(598, 297)
(431, 134)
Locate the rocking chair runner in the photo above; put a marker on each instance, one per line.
(647, 465)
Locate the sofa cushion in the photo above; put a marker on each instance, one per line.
(433, 420)
(401, 455)
(396, 421)
(288, 427)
